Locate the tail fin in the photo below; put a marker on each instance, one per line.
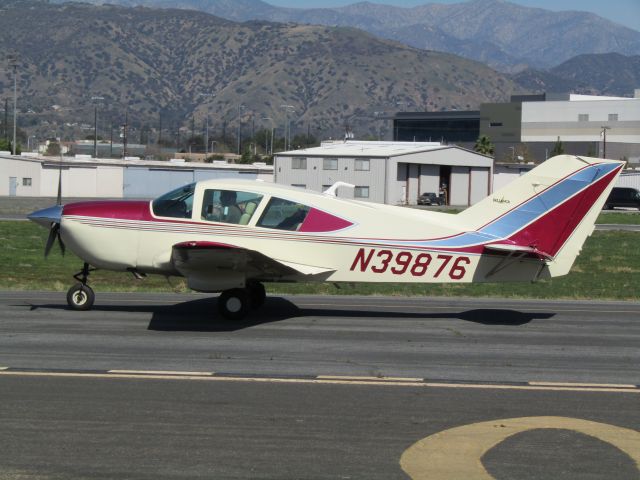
(549, 211)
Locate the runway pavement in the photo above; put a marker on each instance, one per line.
(155, 386)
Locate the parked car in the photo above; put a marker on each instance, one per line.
(430, 198)
(623, 197)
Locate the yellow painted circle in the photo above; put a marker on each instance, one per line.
(455, 454)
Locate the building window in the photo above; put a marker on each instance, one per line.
(26, 182)
(361, 192)
(362, 165)
(583, 117)
(299, 185)
(495, 124)
(330, 164)
(613, 117)
(299, 163)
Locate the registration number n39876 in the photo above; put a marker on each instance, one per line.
(417, 264)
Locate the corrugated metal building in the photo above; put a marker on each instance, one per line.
(395, 173)
(35, 176)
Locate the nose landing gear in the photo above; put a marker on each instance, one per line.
(81, 296)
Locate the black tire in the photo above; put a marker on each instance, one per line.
(257, 294)
(234, 304)
(80, 297)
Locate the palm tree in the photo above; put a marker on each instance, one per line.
(558, 148)
(483, 145)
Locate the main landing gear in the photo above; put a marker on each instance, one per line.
(235, 303)
(81, 296)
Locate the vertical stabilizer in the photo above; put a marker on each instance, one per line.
(549, 211)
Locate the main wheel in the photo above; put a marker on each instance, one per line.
(80, 297)
(257, 294)
(233, 304)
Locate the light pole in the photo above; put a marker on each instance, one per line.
(268, 151)
(95, 125)
(206, 131)
(287, 128)
(13, 62)
(604, 140)
(240, 107)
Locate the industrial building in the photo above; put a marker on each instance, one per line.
(394, 173)
(30, 175)
(528, 126)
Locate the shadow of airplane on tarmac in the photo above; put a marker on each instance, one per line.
(200, 315)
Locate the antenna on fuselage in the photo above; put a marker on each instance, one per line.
(332, 191)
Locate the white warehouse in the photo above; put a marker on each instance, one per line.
(586, 118)
(36, 176)
(394, 173)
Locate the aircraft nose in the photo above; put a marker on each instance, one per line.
(47, 216)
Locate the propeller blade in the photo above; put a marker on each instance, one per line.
(53, 233)
(59, 200)
(63, 249)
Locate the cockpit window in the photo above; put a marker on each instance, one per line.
(283, 214)
(229, 206)
(177, 203)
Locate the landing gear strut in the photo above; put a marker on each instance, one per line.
(81, 296)
(235, 303)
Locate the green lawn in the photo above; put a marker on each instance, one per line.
(608, 268)
(620, 218)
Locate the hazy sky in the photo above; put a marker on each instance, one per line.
(625, 12)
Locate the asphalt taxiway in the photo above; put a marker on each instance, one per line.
(155, 386)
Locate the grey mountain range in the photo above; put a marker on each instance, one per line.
(501, 34)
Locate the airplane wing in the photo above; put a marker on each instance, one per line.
(210, 266)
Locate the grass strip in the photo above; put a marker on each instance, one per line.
(608, 268)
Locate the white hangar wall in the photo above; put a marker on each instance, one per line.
(395, 173)
(19, 177)
(81, 181)
(29, 176)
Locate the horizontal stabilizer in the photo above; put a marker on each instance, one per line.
(514, 249)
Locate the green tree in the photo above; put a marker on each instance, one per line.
(53, 149)
(483, 145)
(558, 148)
(5, 145)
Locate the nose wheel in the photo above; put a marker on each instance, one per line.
(81, 295)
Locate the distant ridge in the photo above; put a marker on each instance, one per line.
(595, 74)
(496, 32)
(171, 61)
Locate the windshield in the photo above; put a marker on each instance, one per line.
(177, 203)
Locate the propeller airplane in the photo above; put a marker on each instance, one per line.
(232, 236)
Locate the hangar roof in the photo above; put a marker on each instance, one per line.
(356, 148)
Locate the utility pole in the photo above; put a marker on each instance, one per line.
(287, 126)
(160, 133)
(13, 61)
(95, 125)
(95, 131)
(224, 132)
(604, 140)
(241, 106)
(124, 132)
(6, 119)
(206, 136)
